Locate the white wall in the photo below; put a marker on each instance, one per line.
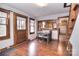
(74, 39)
(9, 42)
(53, 17)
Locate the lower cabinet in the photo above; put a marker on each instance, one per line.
(55, 34)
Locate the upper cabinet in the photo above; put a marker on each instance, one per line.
(47, 24)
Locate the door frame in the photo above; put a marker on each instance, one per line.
(15, 26)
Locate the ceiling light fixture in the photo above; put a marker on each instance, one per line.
(41, 4)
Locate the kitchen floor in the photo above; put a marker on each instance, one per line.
(39, 48)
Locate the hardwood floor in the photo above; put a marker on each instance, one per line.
(39, 48)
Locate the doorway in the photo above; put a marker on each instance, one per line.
(63, 28)
(20, 28)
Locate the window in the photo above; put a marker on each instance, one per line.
(32, 26)
(4, 24)
(21, 23)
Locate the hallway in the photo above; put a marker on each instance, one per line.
(17, 27)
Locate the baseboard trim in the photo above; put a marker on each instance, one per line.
(3, 49)
(15, 45)
(12, 46)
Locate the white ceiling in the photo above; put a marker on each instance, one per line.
(37, 11)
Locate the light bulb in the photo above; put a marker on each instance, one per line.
(41, 4)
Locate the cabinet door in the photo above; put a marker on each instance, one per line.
(49, 25)
(63, 22)
(39, 25)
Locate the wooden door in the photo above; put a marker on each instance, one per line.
(20, 28)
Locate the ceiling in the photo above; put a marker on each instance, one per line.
(37, 11)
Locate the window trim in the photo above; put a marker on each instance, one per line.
(20, 23)
(30, 26)
(7, 25)
(20, 15)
